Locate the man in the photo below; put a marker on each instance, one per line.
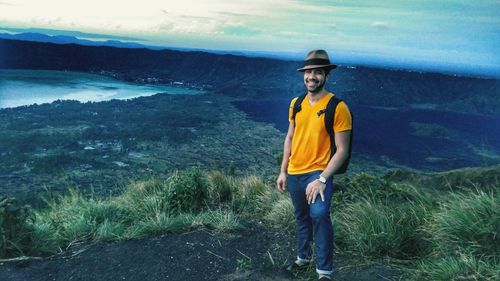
(308, 165)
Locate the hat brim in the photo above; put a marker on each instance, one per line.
(327, 66)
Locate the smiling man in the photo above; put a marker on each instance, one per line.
(316, 147)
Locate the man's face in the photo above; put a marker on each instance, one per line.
(314, 79)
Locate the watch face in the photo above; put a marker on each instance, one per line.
(322, 179)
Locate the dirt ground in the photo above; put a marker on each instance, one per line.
(256, 253)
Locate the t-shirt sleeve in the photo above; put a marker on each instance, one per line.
(290, 110)
(342, 119)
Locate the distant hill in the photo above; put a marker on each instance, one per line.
(66, 39)
(258, 77)
(130, 64)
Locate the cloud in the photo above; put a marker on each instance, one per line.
(202, 18)
(380, 25)
(289, 33)
(214, 22)
(322, 3)
(233, 14)
(193, 27)
(196, 25)
(240, 30)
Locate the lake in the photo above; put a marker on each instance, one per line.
(429, 140)
(26, 87)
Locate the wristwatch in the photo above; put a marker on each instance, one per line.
(322, 179)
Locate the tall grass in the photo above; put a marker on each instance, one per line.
(145, 208)
(281, 214)
(374, 229)
(468, 221)
(250, 193)
(222, 188)
(184, 200)
(449, 236)
(460, 266)
(464, 233)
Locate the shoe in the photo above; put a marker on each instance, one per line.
(298, 265)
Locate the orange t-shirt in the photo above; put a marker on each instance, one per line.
(311, 142)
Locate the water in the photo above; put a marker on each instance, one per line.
(26, 87)
(391, 136)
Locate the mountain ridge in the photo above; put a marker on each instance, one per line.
(255, 77)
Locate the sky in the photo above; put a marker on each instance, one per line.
(462, 35)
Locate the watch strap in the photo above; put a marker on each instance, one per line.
(322, 179)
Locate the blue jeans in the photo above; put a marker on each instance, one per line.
(313, 220)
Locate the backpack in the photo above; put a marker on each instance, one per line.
(329, 112)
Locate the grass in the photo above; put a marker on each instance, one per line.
(470, 222)
(443, 228)
(144, 209)
(374, 229)
(281, 214)
(461, 266)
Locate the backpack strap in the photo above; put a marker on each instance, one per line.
(329, 119)
(297, 106)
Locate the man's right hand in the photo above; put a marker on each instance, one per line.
(281, 182)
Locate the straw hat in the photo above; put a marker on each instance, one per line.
(317, 59)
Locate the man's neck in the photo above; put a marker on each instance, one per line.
(314, 97)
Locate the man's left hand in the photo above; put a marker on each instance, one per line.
(313, 189)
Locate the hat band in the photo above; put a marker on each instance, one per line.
(317, 62)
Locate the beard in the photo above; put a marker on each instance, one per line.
(318, 88)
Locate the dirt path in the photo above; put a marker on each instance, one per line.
(252, 254)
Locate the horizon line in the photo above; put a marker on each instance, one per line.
(342, 58)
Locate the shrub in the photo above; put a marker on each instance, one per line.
(54, 163)
(364, 186)
(466, 179)
(187, 191)
(221, 187)
(15, 232)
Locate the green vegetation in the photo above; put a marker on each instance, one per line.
(15, 228)
(91, 145)
(441, 232)
(431, 130)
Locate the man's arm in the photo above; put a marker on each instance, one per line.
(287, 148)
(342, 140)
(314, 188)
